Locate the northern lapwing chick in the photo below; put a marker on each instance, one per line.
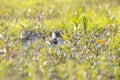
(55, 39)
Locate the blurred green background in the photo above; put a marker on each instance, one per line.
(96, 56)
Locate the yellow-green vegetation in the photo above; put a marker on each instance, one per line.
(91, 29)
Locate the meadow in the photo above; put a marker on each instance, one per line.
(90, 28)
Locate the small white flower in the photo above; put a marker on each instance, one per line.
(3, 50)
(1, 36)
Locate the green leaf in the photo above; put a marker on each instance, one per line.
(85, 24)
(80, 11)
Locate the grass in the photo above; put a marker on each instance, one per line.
(91, 29)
